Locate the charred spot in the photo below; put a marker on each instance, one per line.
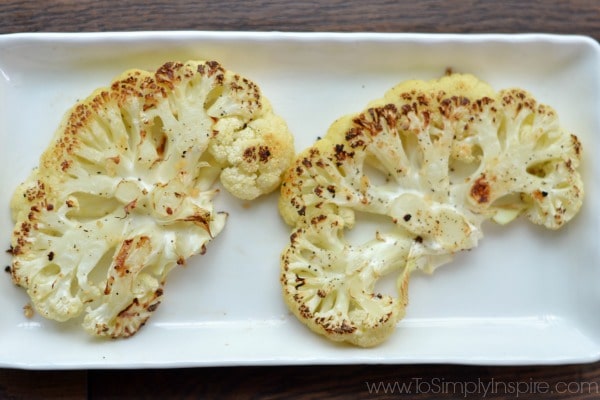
(201, 218)
(119, 262)
(12, 250)
(480, 190)
(264, 154)
(318, 219)
(321, 293)
(422, 100)
(299, 282)
(203, 249)
(127, 311)
(7, 269)
(38, 192)
(479, 104)
(293, 237)
(50, 207)
(370, 120)
(166, 73)
(507, 100)
(341, 155)
(352, 134)
(406, 108)
(51, 256)
(160, 149)
(407, 217)
(65, 165)
(519, 107)
(109, 283)
(213, 67)
(569, 165)
(389, 112)
(129, 207)
(302, 308)
(447, 102)
(306, 162)
(153, 307)
(250, 154)
(235, 86)
(357, 143)
(331, 189)
(302, 211)
(576, 145)
(70, 203)
(149, 102)
(426, 117)
(180, 261)
(169, 211)
(419, 239)
(344, 329)
(539, 194)
(25, 228)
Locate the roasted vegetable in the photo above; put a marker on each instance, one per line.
(125, 190)
(433, 160)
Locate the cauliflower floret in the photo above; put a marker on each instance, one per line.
(435, 159)
(125, 191)
(255, 154)
(531, 161)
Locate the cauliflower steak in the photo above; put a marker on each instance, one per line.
(125, 190)
(433, 160)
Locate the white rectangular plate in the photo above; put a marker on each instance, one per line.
(524, 296)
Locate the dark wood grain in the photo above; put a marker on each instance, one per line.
(352, 382)
(568, 16)
(16, 384)
(305, 382)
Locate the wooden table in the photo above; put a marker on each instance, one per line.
(567, 17)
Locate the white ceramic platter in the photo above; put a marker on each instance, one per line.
(524, 296)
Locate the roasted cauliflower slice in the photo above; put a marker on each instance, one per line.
(434, 159)
(329, 284)
(125, 190)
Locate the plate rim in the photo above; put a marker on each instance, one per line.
(75, 37)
